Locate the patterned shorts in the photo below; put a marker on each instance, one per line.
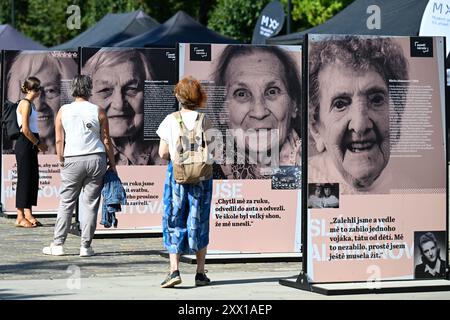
(186, 214)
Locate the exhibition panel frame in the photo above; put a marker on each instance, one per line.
(375, 167)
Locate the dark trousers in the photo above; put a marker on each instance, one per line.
(27, 172)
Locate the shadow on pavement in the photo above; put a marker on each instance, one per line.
(34, 267)
(128, 253)
(14, 296)
(239, 281)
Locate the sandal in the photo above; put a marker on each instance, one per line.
(35, 222)
(24, 223)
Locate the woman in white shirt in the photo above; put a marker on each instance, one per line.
(82, 144)
(26, 149)
(186, 206)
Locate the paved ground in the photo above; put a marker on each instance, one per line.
(21, 257)
(133, 269)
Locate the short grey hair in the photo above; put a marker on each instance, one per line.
(109, 57)
(381, 54)
(81, 86)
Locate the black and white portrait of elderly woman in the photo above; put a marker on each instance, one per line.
(351, 113)
(118, 78)
(52, 69)
(262, 95)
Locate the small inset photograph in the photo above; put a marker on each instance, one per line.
(429, 254)
(323, 195)
(287, 178)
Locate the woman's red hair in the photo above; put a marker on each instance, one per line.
(190, 93)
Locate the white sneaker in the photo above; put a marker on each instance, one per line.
(86, 252)
(53, 250)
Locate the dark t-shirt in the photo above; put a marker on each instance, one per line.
(420, 273)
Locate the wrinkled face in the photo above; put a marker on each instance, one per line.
(429, 251)
(327, 191)
(353, 123)
(47, 103)
(257, 98)
(119, 90)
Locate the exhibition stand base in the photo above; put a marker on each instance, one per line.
(127, 233)
(119, 233)
(346, 288)
(37, 214)
(238, 257)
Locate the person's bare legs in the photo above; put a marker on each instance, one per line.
(29, 217)
(173, 278)
(174, 259)
(200, 278)
(20, 215)
(201, 257)
(21, 220)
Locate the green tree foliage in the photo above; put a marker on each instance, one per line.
(310, 13)
(45, 21)
(236, 18)
(5, 12)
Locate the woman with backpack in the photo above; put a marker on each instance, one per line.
(26, 149)
(188, 187)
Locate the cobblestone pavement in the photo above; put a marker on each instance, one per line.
(21, 256)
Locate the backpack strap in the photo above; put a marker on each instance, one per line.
(193, 133)
(195, 130)
(199, 121)
(179, 119)
(199, 128)
(177, 116)
(183, 128)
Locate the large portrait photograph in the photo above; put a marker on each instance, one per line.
(254, 104)
(254, 100)
(376, 137)
(55, 70)
(134, 86)
(374, 118)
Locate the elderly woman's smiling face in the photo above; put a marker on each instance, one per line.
(257, 97)
(353, 122)
(119, 89)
